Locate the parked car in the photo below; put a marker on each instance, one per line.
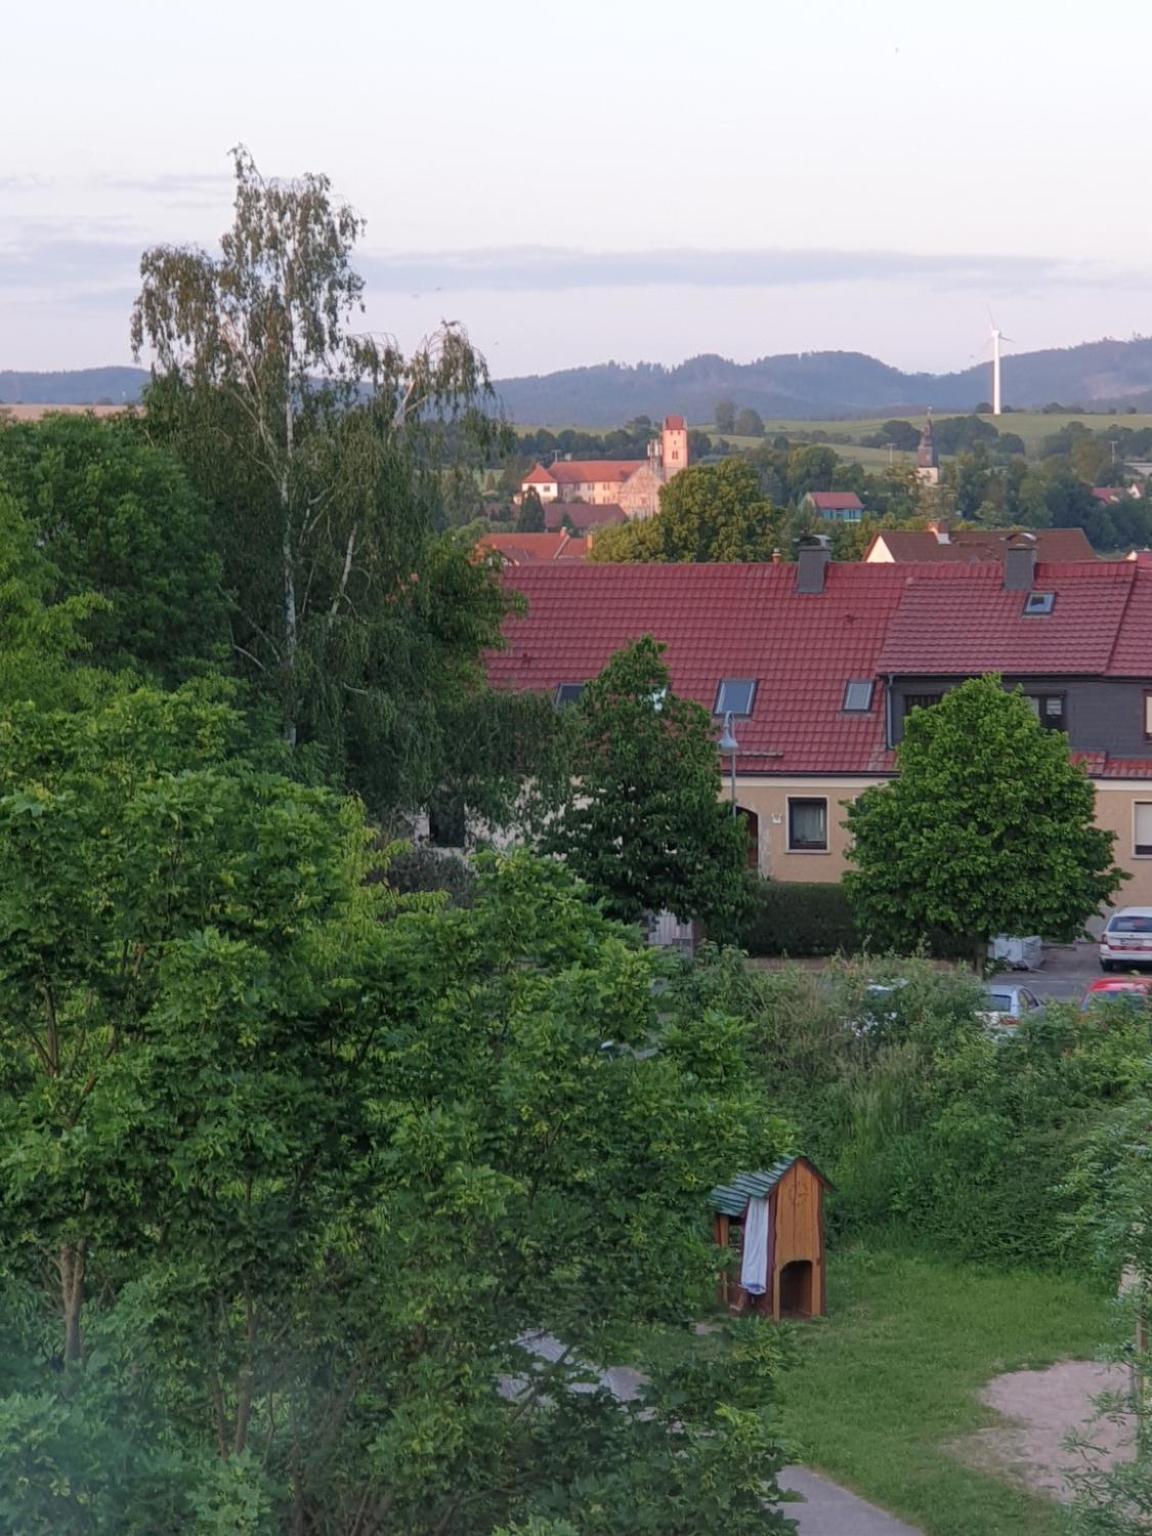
(1006, 1003)
(1127, 939)
(1133, 990)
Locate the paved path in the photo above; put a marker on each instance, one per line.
(829, 1510)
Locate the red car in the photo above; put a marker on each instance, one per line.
(1129, 989)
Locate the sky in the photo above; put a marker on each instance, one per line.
(626, 180)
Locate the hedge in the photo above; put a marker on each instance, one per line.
(799, 919)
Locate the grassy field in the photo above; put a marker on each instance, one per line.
(891, 1379)
(1032, 426)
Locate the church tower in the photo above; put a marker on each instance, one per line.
(927, 459)
(674, 446)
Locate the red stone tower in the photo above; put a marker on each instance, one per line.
(674, 446)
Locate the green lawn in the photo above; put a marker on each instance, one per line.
(892, 1376)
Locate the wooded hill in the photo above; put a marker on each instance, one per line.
(1099, 375)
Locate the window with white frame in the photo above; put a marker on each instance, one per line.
(808, 826)
(1142, 829)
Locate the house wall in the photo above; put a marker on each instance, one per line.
(639, 496)
(1115, 812)
(1115, 802)
(548, 491)
(768, 799)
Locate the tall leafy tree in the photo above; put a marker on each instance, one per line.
(317, 448)
(709, 512)
(724, 416)
(114, 515)
(645, 826)
(989, 828)
(530, 517)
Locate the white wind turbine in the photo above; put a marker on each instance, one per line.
(997, 337)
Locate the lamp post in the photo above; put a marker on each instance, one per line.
(729, 744)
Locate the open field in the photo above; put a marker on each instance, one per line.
(1032, 426)
(888, 1384)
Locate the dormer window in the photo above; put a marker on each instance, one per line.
(858, 697)
(1037, 604)
(735, 696)
(567, 693)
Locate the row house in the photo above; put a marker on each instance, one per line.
(819, 664)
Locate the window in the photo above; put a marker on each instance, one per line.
(858, 697)
(1148, 717)
(658, 699)
(1142, 831)
(920, 701)
(1048, 709)
(568, 693)
(1037, 604)
(808, 826)
(735, 696)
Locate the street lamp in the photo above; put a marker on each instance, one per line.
(729, 744)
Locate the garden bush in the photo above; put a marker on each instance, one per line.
(799, 919)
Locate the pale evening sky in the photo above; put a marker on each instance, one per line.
(625, 180)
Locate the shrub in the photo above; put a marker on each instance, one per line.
(799, 919)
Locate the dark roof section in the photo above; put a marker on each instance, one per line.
(582, 514)
(732, 1199)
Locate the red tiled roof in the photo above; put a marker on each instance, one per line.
(974, 544)
(674, 423)
(583, 514)
(1108, 493)
(963, 622)
(739, 621)
(722, 621)
(593, 471)
(539, 476)
(836, 501)
(534, 548)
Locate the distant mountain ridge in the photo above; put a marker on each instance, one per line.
(1099, 375)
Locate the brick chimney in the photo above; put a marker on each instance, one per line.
(811, 564)
(1020, 563)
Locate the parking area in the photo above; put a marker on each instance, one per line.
(1067, 970)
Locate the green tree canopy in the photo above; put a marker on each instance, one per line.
(645, 827)
(710, 512)
(724, 416)
(989, 828)
(291, 1170)
(530, 517)
(115, 515)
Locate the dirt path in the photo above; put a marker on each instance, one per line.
(1040, 1410)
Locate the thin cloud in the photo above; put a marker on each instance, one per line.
(542, 268)
(197, 185)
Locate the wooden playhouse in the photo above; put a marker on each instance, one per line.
(773, 1223)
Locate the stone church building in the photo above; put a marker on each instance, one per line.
(633, 485)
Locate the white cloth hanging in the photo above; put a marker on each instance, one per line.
(754, 1262)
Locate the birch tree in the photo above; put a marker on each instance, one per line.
(316, 445)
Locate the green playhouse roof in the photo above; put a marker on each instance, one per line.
(732, 1199)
